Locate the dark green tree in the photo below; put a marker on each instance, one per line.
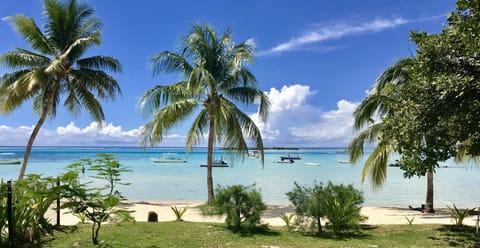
(55, 68)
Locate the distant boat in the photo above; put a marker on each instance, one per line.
(345, 161)
(290, 157)
(253, 154)
(217, 163)
(312, 164)
(9, 158)
(169, 158)
(286, 161)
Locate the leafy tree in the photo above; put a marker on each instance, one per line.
(55, 67)
(215, 77)
(98, 204)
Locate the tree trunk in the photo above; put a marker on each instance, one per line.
(28, 149)
(211, 136)
(429, 200)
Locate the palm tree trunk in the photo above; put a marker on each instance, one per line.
(429, 200)
(28, 149)
(211, 136)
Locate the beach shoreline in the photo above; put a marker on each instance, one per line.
(375, 215)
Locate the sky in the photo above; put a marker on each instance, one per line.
(315, 60)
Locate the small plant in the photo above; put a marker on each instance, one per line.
(179, 212)
(242, 205)
(98, 204)
(458, 215)
(410, 220)
(287, 218)
(81, 216)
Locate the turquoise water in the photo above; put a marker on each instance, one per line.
(150, 181)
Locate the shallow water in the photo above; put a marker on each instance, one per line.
(187, 181)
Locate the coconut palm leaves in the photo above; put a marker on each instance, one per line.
(377, 104)
(216, 77)
(55, 67)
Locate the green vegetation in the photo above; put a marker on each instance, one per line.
(425, 108)
(458, 214)
(215, 77)
(190, 234)
(55, 69)
(98, 204)
(338, 203)
(32, 197)
(242, 205)
(179, 212)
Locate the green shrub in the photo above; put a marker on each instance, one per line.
(98, 204)
(242, 205)
(32, 197)
(287, 218)
(342, 205)
(458, 214)
(338, 203)
(179, 212)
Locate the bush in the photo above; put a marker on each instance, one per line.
(458, 214)
(242, 205)
(338, 203)
(32, 197)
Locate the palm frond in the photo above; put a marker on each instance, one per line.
(100, 63)
(30, 32)
(367, 136)
(198, 128)
(375, 167)
(165, 119)
(21, 58)
(166, 61)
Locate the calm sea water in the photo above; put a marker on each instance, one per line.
(151, 181)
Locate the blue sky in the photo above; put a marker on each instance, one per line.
(315, 59)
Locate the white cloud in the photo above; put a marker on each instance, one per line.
(335, 31)
(294, 122)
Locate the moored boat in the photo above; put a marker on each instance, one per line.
(169, 158)
(9, 158)
(217, 163)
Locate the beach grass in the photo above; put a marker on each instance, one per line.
(195, 234)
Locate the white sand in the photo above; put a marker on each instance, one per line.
(376, 215)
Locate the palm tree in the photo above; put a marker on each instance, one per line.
(216, 77)
(378, 103)
(55, 67)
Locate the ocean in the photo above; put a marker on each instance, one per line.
(453, 183)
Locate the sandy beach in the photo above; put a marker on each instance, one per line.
(376, 215)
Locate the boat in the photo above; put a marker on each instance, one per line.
(312, 164)
(253, 154)
(344, 161)
(286, 161)
(169, 158)
(9, 158)
(289, 157)
(217, 163)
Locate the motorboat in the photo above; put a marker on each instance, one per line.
(9, 158)
(217, 163)
(290, 157)
(169, 158)
(312, 164)
(286, 161)
(253, 154)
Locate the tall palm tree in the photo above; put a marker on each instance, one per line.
(216, 77)
(55, 67)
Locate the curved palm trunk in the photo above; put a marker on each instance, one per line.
(429, 199)
(28, 149)
(211, 136)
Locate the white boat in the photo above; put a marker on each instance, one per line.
(217, 163)
(312, 164)
(169, 158)
(9, 158)
(286, 161)
(344, 161)
(253, 154)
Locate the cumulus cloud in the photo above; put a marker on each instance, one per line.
(335, 31)
(71, 135)
(294, 122)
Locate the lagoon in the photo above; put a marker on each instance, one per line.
(455, 184)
